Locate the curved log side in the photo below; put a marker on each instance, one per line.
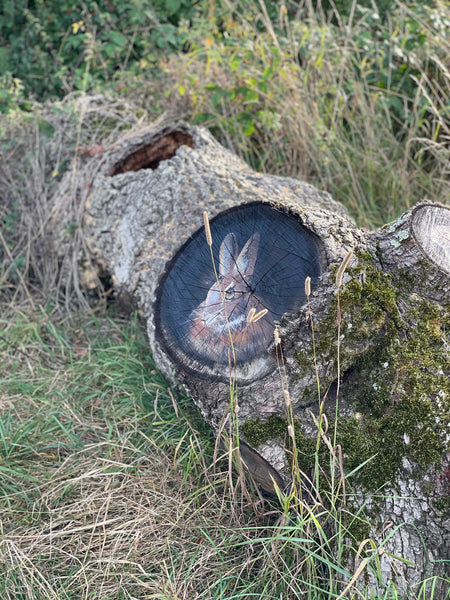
(148, 199)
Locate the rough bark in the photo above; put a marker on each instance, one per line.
(147, 200)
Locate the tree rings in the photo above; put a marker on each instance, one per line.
(217, 304)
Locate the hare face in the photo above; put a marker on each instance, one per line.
(223, 315)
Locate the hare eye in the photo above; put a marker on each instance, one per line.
(229, 292)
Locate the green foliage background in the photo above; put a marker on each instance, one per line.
(334, 93)
(51, 46)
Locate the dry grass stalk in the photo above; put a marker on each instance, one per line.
(361, 566)
(45, 241)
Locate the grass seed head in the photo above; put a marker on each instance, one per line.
(342, 267)
(253, 316)
(276, 336)
(308, 286)
(250, 315)
(207, 228)
(287, 397)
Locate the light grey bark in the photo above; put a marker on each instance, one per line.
(147, 199)
(419, 241)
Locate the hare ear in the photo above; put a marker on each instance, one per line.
(228, 254)
(246, 260)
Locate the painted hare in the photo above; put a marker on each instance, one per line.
(225, 310)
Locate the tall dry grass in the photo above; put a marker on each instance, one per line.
(328, 102)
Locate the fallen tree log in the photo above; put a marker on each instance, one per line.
(365, 345)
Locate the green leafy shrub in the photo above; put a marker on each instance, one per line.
(11, 92)
(54, 47)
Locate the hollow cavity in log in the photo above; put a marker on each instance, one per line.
(150, 155)
(218, 306)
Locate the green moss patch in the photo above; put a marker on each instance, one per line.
(369, 310)
(403, 398)
(256, 432)
(395, 375)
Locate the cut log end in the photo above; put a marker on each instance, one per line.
(431, 229)
(217, 305)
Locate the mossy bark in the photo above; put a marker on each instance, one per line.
(386, 358)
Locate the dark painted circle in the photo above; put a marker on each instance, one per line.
(262, 257)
